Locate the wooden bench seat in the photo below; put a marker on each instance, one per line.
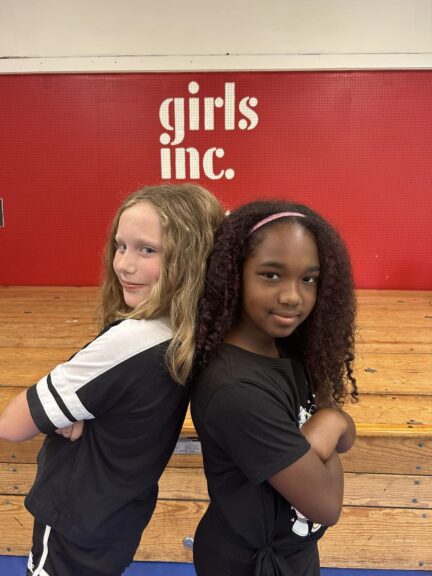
(387, 517)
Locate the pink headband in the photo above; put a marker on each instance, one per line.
(274, 217)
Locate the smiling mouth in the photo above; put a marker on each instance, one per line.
(287, 315)
(286, 319)
(131, 286)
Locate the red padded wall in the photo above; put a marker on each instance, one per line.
(356, 146)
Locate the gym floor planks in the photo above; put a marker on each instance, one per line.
(15, 566)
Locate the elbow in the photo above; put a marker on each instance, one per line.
(4, 432)
(334, 509)
(14, 434)
(11, 436)
(7, 436)
(332, 518)
(328, 516)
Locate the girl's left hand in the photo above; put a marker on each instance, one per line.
(73, 432)
(329, 429)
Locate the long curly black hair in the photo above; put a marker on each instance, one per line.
(325, 340)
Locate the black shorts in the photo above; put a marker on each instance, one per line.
(54, 555)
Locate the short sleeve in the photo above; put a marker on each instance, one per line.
(257, 429)
(96, 377)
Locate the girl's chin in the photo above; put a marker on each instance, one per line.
(133, 300)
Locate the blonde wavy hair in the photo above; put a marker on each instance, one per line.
(189, 216)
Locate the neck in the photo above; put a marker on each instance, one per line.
(265, 347)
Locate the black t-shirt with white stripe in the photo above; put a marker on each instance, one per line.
(103, 487)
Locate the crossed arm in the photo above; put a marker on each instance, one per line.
(17, 424)
(314, 483)
(328, 430)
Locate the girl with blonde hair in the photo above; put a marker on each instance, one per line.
(92, 498)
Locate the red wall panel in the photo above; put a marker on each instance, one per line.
(356, 146)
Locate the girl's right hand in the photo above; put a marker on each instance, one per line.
(73, 432)
(328, 430)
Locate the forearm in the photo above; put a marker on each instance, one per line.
(313, 487)
(332, 489)
(336, 475)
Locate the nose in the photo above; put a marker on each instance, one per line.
(127, 263)
(290, 294)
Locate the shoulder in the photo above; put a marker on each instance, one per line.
(279, 377)
(231, 363)
(116, 346)
(145, 333)
(233, 398)
(131, 337)
(242, 385)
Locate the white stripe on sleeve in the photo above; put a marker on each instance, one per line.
(118, 344)
(53, 412)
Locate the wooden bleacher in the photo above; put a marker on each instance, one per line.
(387, 517)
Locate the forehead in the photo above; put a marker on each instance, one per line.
(286, 241)
(140, 218)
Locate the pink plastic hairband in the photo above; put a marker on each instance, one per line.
(274, 217)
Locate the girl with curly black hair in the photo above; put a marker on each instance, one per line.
(275, 345)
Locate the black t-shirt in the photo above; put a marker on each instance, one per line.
(103, 487)
(247, 410)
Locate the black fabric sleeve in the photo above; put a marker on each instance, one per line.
(255, 428)
(37, 412)
(99, 375)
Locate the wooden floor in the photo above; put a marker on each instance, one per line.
(16, 566)
(387, 517)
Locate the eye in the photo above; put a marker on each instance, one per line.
(119, 247)
(270, 275)
(146, 250)
(310, 279)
